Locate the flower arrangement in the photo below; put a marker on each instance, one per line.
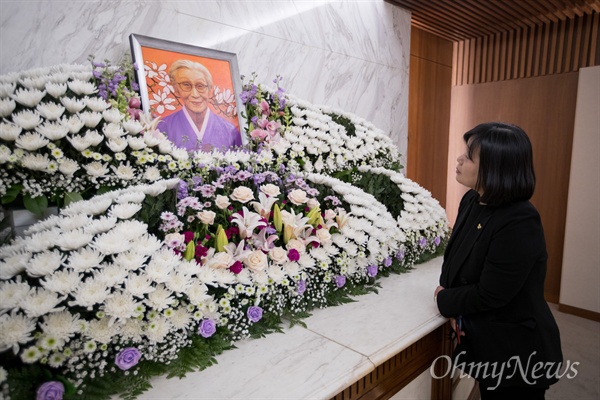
(162, 275)
(69, 132)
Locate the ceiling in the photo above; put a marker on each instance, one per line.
(457, 20)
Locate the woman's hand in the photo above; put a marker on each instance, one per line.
(455, 328)
(437, 290)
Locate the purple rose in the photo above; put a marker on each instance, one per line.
(372, 270)
(340, 280)
(437, 240)
(387, 261)
(52, 390)
(301, 287)
(127, 358)
(422, 242)
(400, 255)
(254, 313)
(293, 255)
(207, 328)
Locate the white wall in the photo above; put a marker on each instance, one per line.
(580, 281)
(351, 55)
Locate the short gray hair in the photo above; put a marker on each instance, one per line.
(196, 66)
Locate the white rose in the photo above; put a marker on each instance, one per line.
(296, 244)
(323, 235)
(312, 203)
(221, 260)
(330, 214)
(270, 190)
(207, 217)
(222, 202)
(278, 255)
(242, 194)
(297, 196)
(256, 261)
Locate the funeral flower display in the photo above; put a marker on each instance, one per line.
(158, 276)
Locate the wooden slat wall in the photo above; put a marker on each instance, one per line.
(430, 83)
(555, 46)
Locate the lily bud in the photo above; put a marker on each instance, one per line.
(288, 233)
(277, 217)
(221, 239)
(190, 251)
(314, 216)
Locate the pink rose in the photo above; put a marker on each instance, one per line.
(207, 217)
(264, 108)
(222, 202)
(242, 194)
(259, 133)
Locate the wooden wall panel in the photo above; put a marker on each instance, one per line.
(430, 83)
(545, 108)
(556, 47)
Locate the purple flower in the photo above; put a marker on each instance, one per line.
(127, 358)
(254, 313)
(52, 390)
(340, 280)
(400, 255)
(422, 242)
(387, 261)
(182, 190)
(207, 328)
(372, 270)
(437, 240)
(301, 287)
(293, 255)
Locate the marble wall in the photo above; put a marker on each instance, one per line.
(350, 54)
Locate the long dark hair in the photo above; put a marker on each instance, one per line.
(505, 162)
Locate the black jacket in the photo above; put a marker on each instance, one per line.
(494, 278)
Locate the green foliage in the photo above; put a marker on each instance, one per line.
(199, 355)
(345, 122)
(269, 323)
(11, 194)
(36, 205)
(152, 207)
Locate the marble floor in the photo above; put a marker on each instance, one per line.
(580, 339)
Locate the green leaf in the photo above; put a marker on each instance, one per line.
(36, 205)
(72, 197)
(11, 194)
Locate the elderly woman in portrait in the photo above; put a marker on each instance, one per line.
(195, 127)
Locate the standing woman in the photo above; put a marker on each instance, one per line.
(492, 280)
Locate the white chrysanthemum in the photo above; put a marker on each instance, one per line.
(5, 154)
(13, 265)
(27, 119)
(28, 97)
(139, 285)
(7, 106)
(159, 272)
(31, 141)
(306, 261)
(62, 325)
(153, 138)
(9, 132)
(276, 273)
(45, 263)
(6, 89)
(94, 137)
(152, 174)
(96, 103)
(3, 375)
(73, 105)
(110, 243)
(80, 143)
(68, 167)
(132, 330)
(111, 274)
(178, 283)
(100, 225)
(155, 189)
(181, 319)
(112, 115)
(89, 293)
(160, 298)
(12, 292)
(197, 292)
(15, 330)
(132, 195)
(90, 118)
(124, 171)
(73, 240)
(158, 329)
(136, 142)
(180, 154)
(96, 169)
(84, 259)
(80, 87)
(62, 282)
(97, 205)
(132, 126)
(124, 211)
(117, 144)
(291, 268)
(102, 331)
(120, 306)
(113, 130)
(53, 130)
(50, 111)
(56, 90)
(34, 80)
(146, 245)
(41, 301)
(188, 268)
(73, 123)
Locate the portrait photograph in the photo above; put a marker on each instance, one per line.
(193, 90)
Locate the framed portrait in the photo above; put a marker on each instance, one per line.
(207, 78)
